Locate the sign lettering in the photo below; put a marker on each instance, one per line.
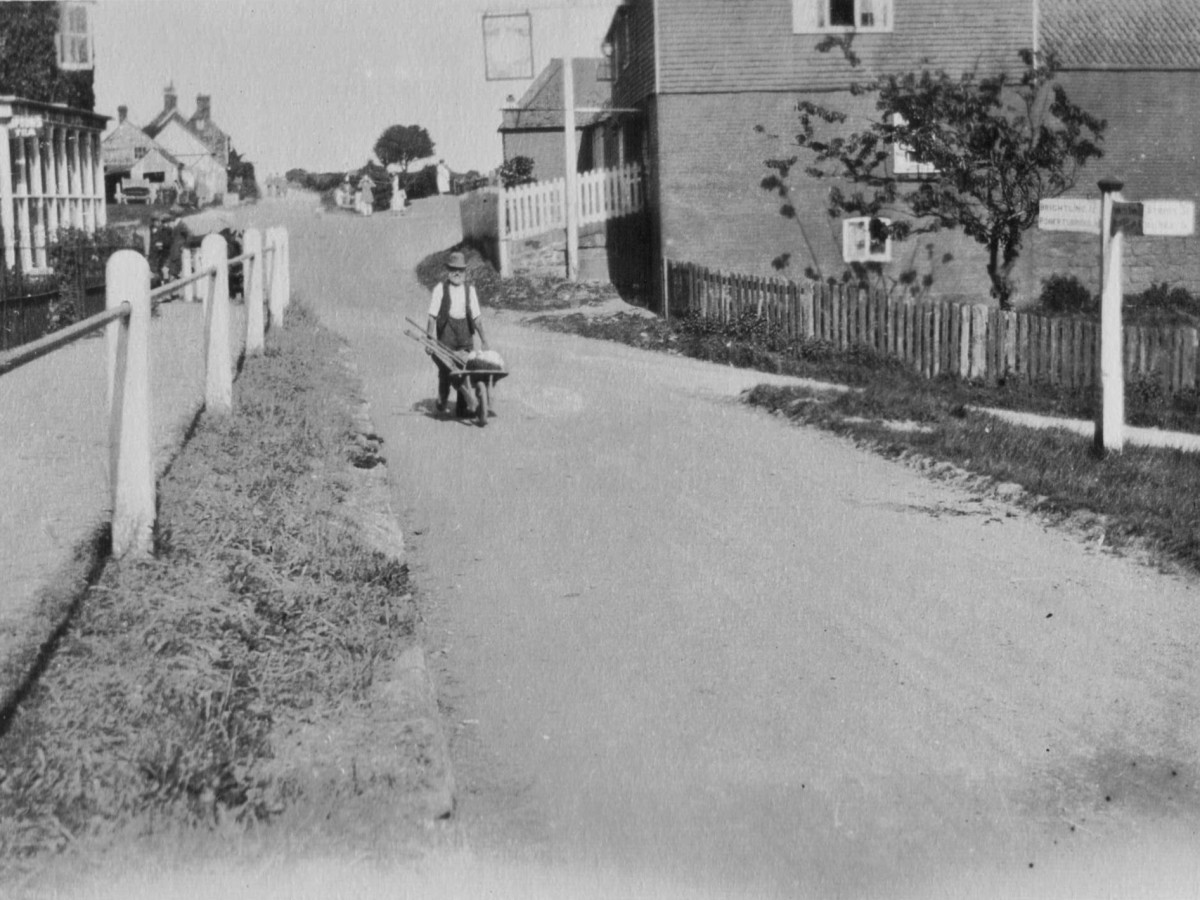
(1169, 218)
(1078, 214)
(25, 126)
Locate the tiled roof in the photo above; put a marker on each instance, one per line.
(541, 106)
(159, 122)
(1123, 34)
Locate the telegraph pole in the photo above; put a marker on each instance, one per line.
(570, 183)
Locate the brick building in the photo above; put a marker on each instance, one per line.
(534, 126)
(705, 74)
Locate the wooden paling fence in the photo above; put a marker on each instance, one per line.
(970, 341)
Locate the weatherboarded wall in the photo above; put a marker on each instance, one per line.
(712, 208)
(1153, 146)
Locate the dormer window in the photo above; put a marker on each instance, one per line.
(819, 16)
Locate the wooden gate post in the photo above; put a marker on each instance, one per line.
(185, 271)
(252, 271)
(285, 269)
(131, 459)
(274, 255)
(218, 364)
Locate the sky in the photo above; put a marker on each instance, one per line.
(313, 83)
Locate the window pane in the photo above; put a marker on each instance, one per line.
(841, 12)
(866, 13)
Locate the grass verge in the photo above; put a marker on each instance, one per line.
(1148, 499)
(175, 696)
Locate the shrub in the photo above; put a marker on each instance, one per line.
(1067, 295)
(517, 171)
(1163, 305)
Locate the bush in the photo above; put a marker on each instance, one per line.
(517, 171)
(1067, 295)
(420, 184)
(1163, 305)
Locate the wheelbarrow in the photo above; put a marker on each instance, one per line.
(463, 373)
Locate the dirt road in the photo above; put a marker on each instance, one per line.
(687, 650)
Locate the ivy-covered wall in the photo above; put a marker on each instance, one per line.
(29, 57)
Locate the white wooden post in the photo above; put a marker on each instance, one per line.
(131, 459)
(218, 364)
(252, 272)
(571, 182)
(1110, 421)
(274, 286)
(185, 271)
(286, 267)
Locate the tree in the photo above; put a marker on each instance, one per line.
(240, 175)
(403, 144)
(989, 150)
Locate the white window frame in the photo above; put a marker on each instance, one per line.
(813, 17)
(76, 48)
(903, 162)
(856, 241)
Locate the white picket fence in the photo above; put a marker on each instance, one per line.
(533, 209)
(493, 218)
(126, 320)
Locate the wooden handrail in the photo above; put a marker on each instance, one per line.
(27, 353)
(131, 456)
(171, 287)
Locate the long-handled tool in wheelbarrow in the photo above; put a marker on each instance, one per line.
(478, 374)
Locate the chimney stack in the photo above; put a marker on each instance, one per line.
(169, 98)
(203, 106)
(122, 112)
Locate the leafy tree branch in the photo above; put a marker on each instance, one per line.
(987, 151)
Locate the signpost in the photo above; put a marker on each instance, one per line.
(1112, 217)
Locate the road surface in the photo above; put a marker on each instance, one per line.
(686, 649)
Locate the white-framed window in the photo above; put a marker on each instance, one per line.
(866, 239)
(903, 161)
(75, 36)
(817, 16)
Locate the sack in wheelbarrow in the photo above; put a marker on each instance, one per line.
(485, 361)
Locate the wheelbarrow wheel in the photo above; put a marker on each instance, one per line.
(481, 394)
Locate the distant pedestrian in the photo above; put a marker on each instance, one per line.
(454, 320)
(366, 195)
(443, 177)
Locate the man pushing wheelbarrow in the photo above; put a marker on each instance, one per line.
(454, 321)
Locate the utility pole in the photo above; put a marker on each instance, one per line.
(570, 182)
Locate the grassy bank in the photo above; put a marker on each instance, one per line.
(1143, 498)
(181, 692)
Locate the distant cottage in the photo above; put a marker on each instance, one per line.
(534, 126)
(171, 151)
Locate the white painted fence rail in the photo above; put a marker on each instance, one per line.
(534, 209)
(129, 303)
(493, 217)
